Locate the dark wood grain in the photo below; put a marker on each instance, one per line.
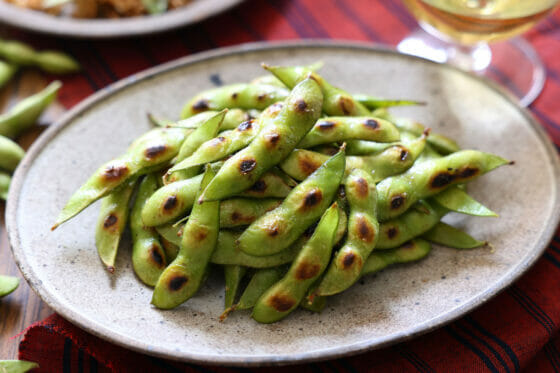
(23, 307)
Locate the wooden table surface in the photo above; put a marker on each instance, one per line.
(23, 307)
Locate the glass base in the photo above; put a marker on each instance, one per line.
(513, 64)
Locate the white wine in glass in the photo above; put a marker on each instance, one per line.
(457, 31)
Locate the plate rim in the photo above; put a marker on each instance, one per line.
(75, 28)
(270, 359)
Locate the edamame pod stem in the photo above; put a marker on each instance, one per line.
(410, 251)
(272, 80)
(456, 199)
(155, 148)
(215, 149)
(233, 275)
(284, 296)
(17, 366)
(277, 138)
(10, 154)
(5, 180)
(396, 159)
(158, 122)
(26, 112)
(174, 200)
(22, 54)
(183, 277)
(397, 193)
(446, 235)
(363, 232)
(148, 256)
(7, 71)
(420, 218)
(111, 223)
(241, 96)
(373, 103)
(279, 228)
(336, 100)
(7, 285)
(333, 129)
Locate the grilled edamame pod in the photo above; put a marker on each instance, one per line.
(363, 232)
(410, 251)
(279, 228)
(183, 277)
(174, 200)
(396, 159)
(237, 212)
(10, 154)
(397, 193)
(153, 149)
(53, 62)
(456, 199)
(5, 180)
(284, 296)
(17, 366)
(7, 71)
(7, 285)
(333, 129)
(241, 96)
(111, 223)
(277, 138)
(420, 218)
(373, 103)
(446, 235)
(233, 275)
(362, 147)
(336, 101)
(26, 112)
(148, 256)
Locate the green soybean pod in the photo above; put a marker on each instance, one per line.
(363, 232)
(148, 255)
(206, 131)
(17, 52)
(233, 275)
(5, 180)
(111, 222)
(363, 147)
(372, 102)
(332, 129)
(447, 235)
(55, 62)
(279, 228)
(7, 71)
(151, 151)
(336, 100)
(7, 285)
(237, 212)
(183, 277)
(456, 199)
(241, 96)
(26, 112)
(284, 296)
(420, 218)
(217, 148)
(276, 139)
(409, 251)
(10, 154)
(17, 366)
(397, 193)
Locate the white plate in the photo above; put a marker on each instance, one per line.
(399, 303)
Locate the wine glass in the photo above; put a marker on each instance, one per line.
(458, 32)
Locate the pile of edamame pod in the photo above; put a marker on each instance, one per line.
(291, 186)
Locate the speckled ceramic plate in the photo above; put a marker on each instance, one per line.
(399, 303)
(70, 27)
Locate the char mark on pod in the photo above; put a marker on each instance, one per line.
(170, 203)
(234, 95)
(301, 106)
(404, 154)
(261, 97)
(272, 140)
(281, 303)
(200, 234)
(312, 199)
(247, 125)
(346, 105)
(305, 270)
(326, 125)
(177, 282)
(201, 105)
(156, 257)
(361, 187)
(397, 201)
(259, 186)
(110, 221)
(371, 124)
(348, 260)
(113, 173)
(364, 230)
(307, 165)
(154, 151)
(392, 232)
(247, 165)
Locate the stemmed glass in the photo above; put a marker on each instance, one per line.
(459, 32)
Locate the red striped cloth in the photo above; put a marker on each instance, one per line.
(516, 330)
